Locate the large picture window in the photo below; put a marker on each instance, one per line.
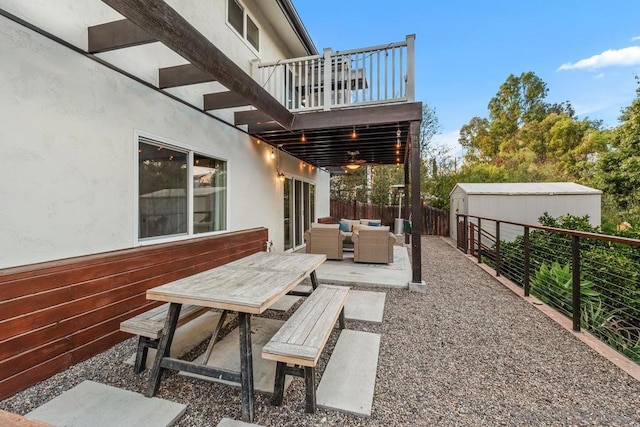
(179, 192)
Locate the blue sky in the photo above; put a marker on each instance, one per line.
(587, 51)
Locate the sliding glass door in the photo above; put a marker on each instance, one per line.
(299, 211)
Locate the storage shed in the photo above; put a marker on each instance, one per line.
(524, 202)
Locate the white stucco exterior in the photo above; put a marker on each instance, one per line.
(67, 170)
(524, 202)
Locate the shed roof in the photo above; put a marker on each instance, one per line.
(533, 188)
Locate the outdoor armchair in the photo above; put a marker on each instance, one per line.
(373, 244)
(325, 239)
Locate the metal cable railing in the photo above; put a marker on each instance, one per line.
(592, 278)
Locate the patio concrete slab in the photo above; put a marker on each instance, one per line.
(188, 336)
(394, 275)
(228, 422)
(98, 405)
(226, 355)
(349, 380)
(365, 306)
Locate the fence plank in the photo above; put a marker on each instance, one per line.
(434, 221)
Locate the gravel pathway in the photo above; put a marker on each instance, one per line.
(466, 353)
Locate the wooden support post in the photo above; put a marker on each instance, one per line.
(416, 215)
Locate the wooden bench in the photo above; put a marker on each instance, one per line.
(301, 339)
(148, 326)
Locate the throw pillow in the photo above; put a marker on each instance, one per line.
(374, 224)
(345, 226)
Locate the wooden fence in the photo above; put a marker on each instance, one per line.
(434, 221)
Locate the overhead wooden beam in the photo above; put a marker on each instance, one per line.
(117, 35)
(162, 22)
(368, 115)
(220, 100)
(182, 75)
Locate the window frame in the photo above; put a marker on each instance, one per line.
(244, 34)
(191, 151)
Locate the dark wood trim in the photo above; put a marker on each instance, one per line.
(58, 313)
(416, 211)
(220, 100)
(365, 115)
(116, 35)
(161, 21)
(182, 75)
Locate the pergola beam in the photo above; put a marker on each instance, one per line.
(162, 22)
(116, 35)
(182, 75)
(221, 100)
(370, 115)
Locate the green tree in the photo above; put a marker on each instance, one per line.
(619, 168)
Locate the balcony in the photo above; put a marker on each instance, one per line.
(369, 76)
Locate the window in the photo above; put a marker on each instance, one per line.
(172, 204)
(243, 23)
(236, 16)
(253, 34)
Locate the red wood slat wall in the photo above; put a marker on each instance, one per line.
(56, 314)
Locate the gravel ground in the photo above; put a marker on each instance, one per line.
(466, 353)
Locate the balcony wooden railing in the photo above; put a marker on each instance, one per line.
(380, 74)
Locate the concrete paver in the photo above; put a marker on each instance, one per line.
(349, 380)
(98, 405)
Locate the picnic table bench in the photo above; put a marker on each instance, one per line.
(149, 325)
(302, 338)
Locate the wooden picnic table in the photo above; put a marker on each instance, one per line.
(247, 286)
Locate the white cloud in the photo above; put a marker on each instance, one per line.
(599, 76)
(635, 39)
(622, 57)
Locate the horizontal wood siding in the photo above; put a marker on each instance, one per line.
(55, 314)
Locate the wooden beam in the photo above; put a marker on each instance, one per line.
(182, 75)
(117, 35)
(416, 205)
(366, 115)
(162, 22)
(220, 100)
(254, 117)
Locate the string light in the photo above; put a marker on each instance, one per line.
(354, 135)
(398, 133)
(273, 154)
(303, 138)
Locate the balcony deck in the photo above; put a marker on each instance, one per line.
(468, 352)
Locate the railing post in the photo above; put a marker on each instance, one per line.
(479, 240)
(411, 42)
(498, 266)
(575, 255)
(527, 253)
(466, 237)
(327, 78)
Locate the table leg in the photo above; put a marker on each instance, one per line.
(246, 367)
(164, 347)
(314, 280)
(214, 337)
